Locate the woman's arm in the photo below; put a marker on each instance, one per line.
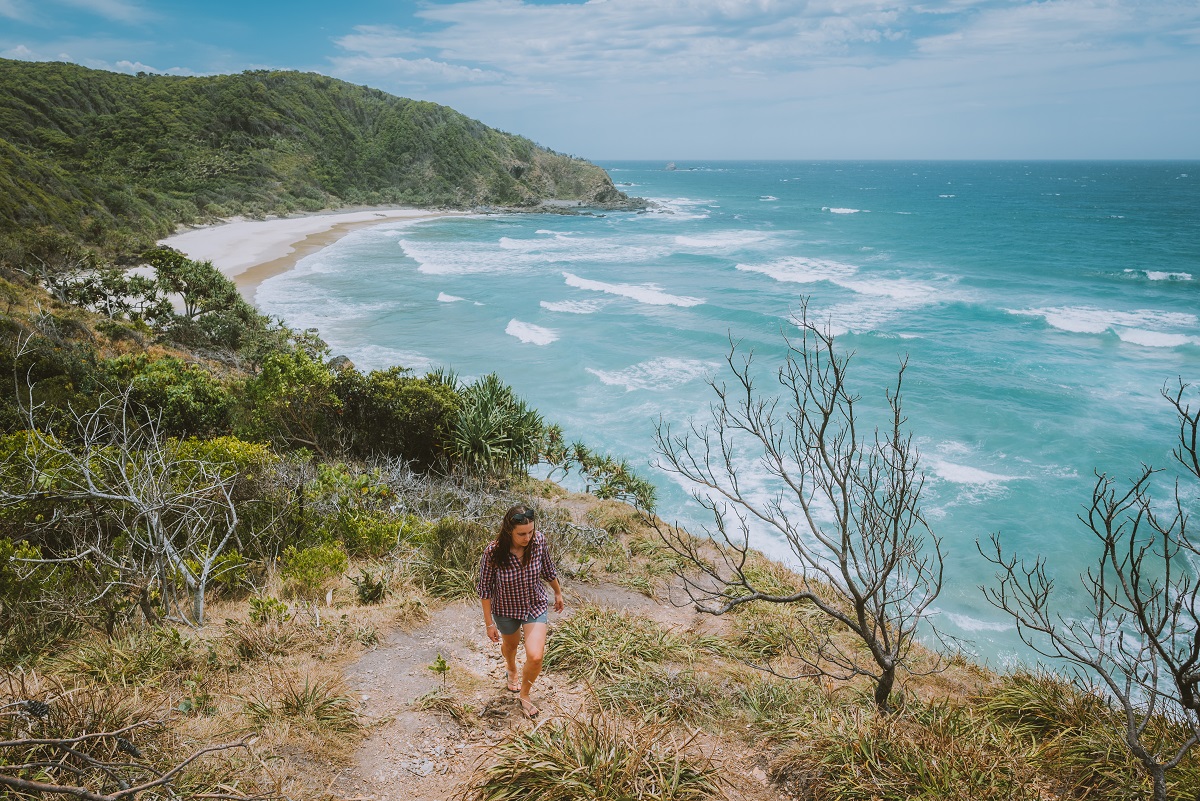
(558, 598)
(493, 633)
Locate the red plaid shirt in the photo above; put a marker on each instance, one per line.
(516, 589)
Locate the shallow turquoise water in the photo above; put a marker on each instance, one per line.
(1041, 305)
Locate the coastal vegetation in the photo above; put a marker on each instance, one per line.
(207, 516)
(117, 161)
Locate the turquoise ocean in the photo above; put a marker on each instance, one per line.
(1042, 307)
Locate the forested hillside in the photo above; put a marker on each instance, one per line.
(115, 160)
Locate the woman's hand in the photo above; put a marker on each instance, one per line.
(493, 633)
(558, 602)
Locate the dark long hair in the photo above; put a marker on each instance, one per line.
(503, 549)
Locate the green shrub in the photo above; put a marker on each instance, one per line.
(449, 558)
(185, 398)
(307, 572)
(495, 432)
(391, 413)
(268, 610)
(371, 588)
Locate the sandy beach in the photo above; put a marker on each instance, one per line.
(251, 251)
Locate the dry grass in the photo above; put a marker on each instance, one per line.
(600, 758)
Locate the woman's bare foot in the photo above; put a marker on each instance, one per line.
(514, 684)
(527, 708)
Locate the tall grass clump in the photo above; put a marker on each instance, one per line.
(775, 709)
(320, 706)
(670, 695)
(598, 758)
(1078, 741)
(597, 643)
(140, 658)
(933, 752)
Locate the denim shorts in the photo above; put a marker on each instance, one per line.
(509, 625)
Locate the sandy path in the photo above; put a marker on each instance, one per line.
(426, 755)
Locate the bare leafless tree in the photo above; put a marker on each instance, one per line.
(118, 470)
(1138, 640)
(846, 502)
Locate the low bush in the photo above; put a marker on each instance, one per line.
(308, 572)
(138, 659)
(449, 556)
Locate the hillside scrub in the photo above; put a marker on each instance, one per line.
(116, 161)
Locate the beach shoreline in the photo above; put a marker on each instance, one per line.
(250, 251)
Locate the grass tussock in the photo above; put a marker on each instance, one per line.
(776, 710)
(448, 703)
(321, 706)
(116, 733)
(597, 643)
(668, 695)
(140, 658)
(852, 753)
(1078, 739)
(598, 758)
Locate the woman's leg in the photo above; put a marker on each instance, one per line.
(535, 650)
(509, 643)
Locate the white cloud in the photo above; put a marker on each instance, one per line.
(133, 67)
(622, 40)
(1055, 24)
(20, 52)
(421, 70)
(117, 10)
(12, 9)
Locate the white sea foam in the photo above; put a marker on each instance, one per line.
(832, 210)
(723, 239)
(378, 357)
(656, 374)
(768, 197)
(528, 332)
(964, 474)
(643, 293)
(1155, 339)
(1159, 275)
(946, 195)
(681, 208)
(1147, 327)
(444, 298)
(523, 255)
(968, 623)
(573, 306)
(802, 270)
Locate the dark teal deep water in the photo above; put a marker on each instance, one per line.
(1042, 306)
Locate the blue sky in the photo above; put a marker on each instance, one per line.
(702, 79)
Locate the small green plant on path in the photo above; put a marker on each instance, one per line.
(440, 667)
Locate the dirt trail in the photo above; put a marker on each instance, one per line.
(414, 755)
